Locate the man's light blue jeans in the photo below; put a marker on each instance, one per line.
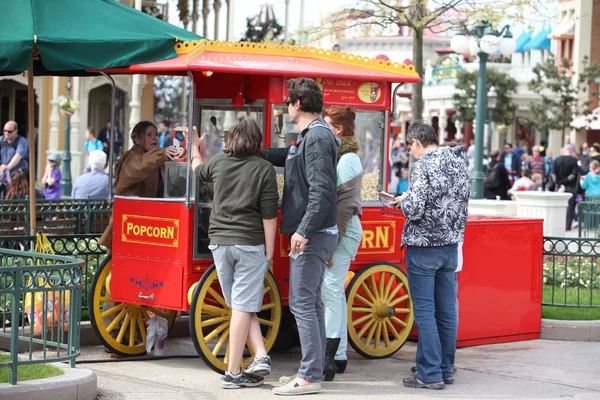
(433, 290)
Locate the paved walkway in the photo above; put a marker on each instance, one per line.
(541, 369)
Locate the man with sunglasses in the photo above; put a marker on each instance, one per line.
(14, 150)
(309, 215)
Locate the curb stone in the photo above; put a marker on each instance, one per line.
(74, 384)
(583, 331)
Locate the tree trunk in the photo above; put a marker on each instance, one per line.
(195, 16)
(205, 12)
(417, 88)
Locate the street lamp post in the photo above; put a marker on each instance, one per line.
(66, 173)
(491, 104)
(484, 41)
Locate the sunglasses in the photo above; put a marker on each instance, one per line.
(6, 130)
(288, 102)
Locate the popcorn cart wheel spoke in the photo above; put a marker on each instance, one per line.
(377, 327)
(210, 316)
(120, 326)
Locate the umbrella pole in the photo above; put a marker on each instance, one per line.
(113, 86)
(31, 139)
(190, 139)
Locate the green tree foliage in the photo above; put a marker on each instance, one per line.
(564, 94)
(466, 94)
(167, 98)
(257, 32)
(385, 17)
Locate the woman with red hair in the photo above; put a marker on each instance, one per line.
(349, 182)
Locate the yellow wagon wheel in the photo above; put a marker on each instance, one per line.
(380, 310)
(121, 327)
(210, 316)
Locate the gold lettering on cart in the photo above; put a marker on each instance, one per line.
(152, 231)
(379, 237)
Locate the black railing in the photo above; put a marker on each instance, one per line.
(571, 274)
(62, 217)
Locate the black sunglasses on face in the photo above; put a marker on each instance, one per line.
(288, 102)
(6, 130)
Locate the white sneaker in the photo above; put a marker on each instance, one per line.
(295, 388)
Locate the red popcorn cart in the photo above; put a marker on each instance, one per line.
(160, 261)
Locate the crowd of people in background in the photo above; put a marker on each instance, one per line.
(516, 168)
(93, 183)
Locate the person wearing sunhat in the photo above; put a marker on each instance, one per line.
(52, 177)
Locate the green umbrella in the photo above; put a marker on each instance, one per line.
(66, 37)
(74, 35)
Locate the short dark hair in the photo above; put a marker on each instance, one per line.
(422, 132)
(308, 92)
(166, 123)
(244, 138)
(139, 129)
(508, 144)
(596, 147)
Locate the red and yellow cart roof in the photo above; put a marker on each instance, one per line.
(273, 60)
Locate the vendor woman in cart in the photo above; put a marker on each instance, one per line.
(140, 170)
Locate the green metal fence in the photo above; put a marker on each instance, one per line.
(61, 217)
(571, 273)
(589, 217)
(40, 301)
(84, 246)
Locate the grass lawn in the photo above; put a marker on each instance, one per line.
(28, 372)
(569, 313)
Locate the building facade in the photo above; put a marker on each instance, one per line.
(577, 36)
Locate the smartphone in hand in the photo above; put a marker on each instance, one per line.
(386, 199)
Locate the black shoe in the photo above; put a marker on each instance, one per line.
(243, 379)
(341, 365)
(447, 381)
(414, 369)
(417, 383)
(329, 370)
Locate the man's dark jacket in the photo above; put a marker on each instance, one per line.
(309, 201)
(503, 183)
(565, 171)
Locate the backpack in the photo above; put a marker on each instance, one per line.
(492, 177)
(14, 144)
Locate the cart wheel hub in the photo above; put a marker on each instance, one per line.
(384, 311)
